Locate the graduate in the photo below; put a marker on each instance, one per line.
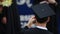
(42, 12)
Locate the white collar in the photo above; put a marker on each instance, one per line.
(40, 27)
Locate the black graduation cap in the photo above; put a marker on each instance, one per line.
(43, 10)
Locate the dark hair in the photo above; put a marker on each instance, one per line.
(41, 20)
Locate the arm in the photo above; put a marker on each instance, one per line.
(28, 25)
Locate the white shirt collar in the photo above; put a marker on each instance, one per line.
(40, 27)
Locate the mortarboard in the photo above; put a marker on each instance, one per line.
(43, 10)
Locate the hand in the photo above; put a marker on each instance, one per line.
(52, 1)
(31, 21)
(4, 20)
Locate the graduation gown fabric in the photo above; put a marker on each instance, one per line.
(3, 26)
(37, 31)
(24, 29)
(13, 25)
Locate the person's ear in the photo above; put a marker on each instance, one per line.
(48, 19)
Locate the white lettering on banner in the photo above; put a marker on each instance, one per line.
(23, 24)
(25, 17)
(21, 2)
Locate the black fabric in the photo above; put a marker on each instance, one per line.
(3, 26)
(37, 31)
(57, 17)
(24, 29)
(13, 25)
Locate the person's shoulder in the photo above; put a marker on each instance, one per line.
(29, 31)
(36, 31)
(49, 32)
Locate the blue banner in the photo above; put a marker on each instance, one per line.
(24, 7)
(25, 11)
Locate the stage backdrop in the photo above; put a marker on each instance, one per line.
(25, 11)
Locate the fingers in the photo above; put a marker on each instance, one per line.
(52, 1)
(31, 21)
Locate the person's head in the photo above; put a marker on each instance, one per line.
(42, 13)
(40, 21)
(44, 20)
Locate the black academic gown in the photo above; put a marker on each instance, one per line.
(2, 26)
(24, 29)
(37, 31)
(13, 25)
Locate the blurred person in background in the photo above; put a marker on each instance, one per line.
(3, 19)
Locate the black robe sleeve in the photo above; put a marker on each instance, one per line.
(24, 29)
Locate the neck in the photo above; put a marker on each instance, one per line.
(41, 24)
